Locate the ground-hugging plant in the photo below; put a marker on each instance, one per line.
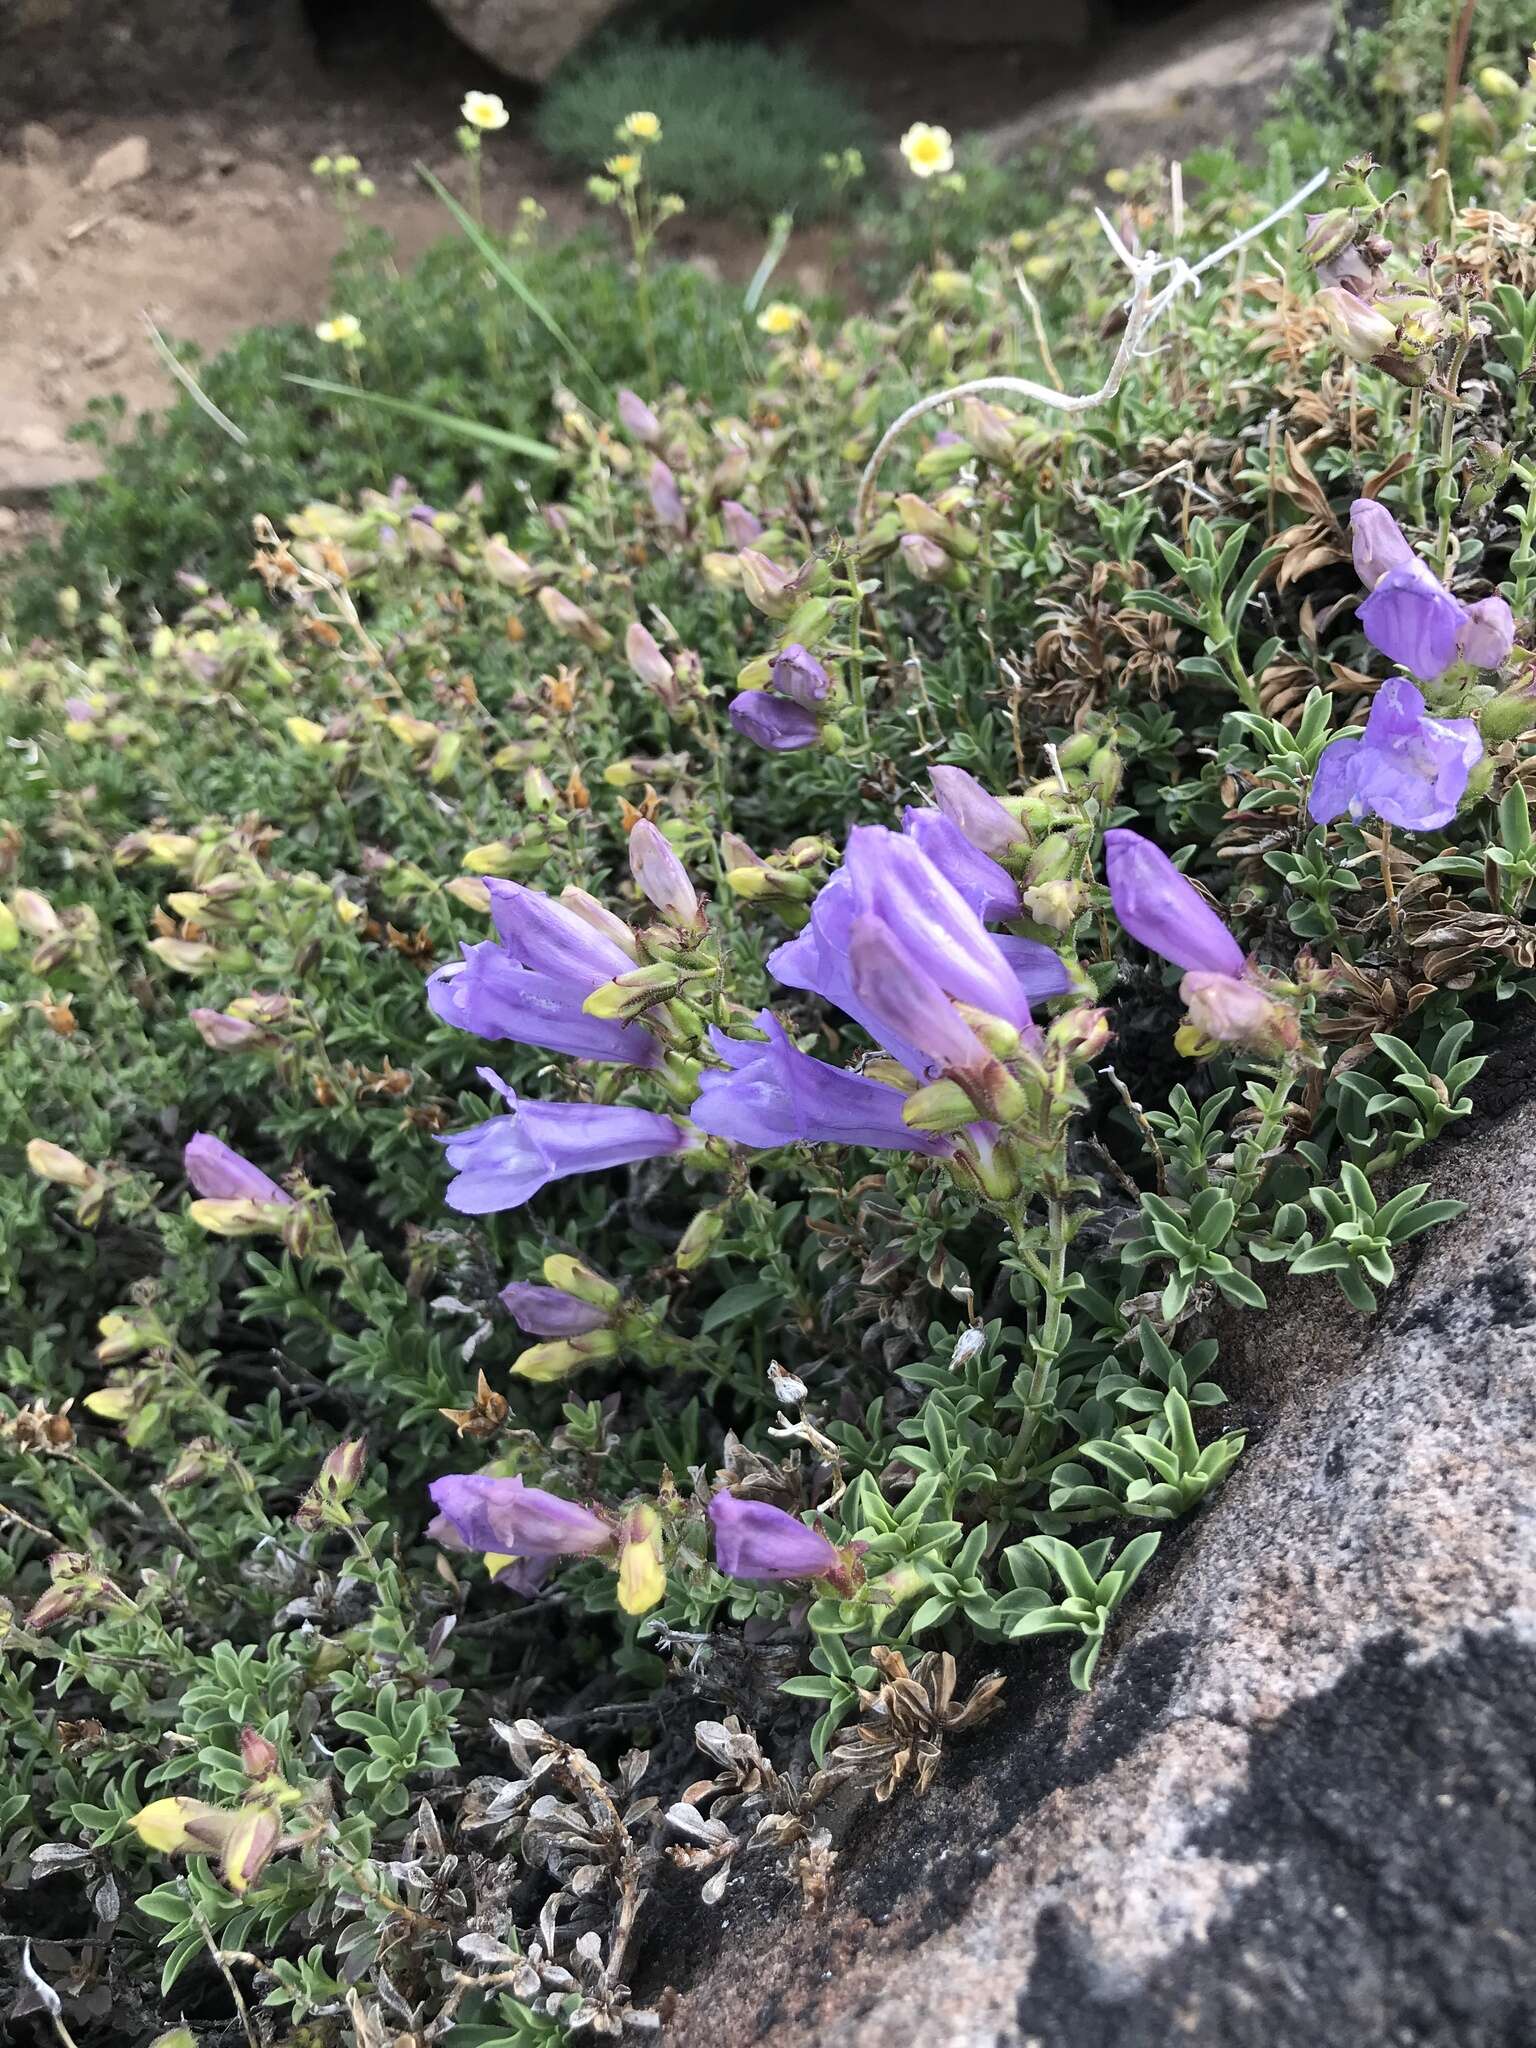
(938, 974)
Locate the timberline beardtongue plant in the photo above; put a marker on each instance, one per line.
(1164, 911)
(1409, 615)
(636, 418)
(503, 1162)
(1408, 768)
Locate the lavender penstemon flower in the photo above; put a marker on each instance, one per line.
(774, 723)
(503, 1162)
(1408, 768)
(515, 1524)
(1409, 615)
(772, 1094)
(1161, 908)
(224, 1175)
(785, 714)
(530, 984)
(755, 1540)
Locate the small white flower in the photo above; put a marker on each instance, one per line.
(929, 151)
(344, 328)
(485, 110)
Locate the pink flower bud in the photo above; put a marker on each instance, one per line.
(661, 875)
(636, 418)
(224, 1033)
(1355, 325)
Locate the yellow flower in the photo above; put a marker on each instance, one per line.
(641, 127)
(305, 731)
(1118, 180)
(484, 110)
(322, 167)
(624, 166)
(928, 151)
(347, 166)
(345, 329)
(779, 317)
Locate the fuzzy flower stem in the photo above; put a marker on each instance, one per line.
(1448, 449)
(1145, 306)
(1254, 1151)
(1050, 1339)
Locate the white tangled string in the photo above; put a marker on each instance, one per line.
(1143, 309)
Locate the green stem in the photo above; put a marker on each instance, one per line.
(1448, 449)
(1050, 1340)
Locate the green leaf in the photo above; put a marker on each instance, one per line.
(429, 416)
(502, 269)
(740, 1301)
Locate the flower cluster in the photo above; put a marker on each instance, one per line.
(522, 1530)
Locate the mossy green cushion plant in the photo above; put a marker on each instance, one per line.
(744, 129)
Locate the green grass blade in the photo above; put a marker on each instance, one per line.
(502, 269)
(429, 416)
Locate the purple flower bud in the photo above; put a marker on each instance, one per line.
(768, 587)
(1163, 910)
(1356, 326)
(501, 1163)
(1379, 542)
(507, 1518)
(773, 722)
(216, 1028)
(925, 560)
(650, 665)
(909, 1006)
(224, 1176)
(636, 418)
(741, 526)
(989, 889)
(1408, 768)
(979, 815)
(1235, 1011)
(774, 1094)
(666, 498)
(799, 676)
(755, 1540)
(550, 1311)
(661, 875)
(1487, 633)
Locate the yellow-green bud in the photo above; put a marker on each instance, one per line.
(563, 1356)
(941, 1106)
(571, 1276)
(699, 1239)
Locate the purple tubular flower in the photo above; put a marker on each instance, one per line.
(773, 722)
(1413, 620)
(774, 1094)
(1040, 972)
(661, 876)
(224, 1176)
(741, 526)
(501, 1163)
(495, 998)
(989, 889)
(1378, 541)
(1408, 768)
(550, 1311)
(636, 417)
(666, 498)
(530, 988)
(894, 942)
(931, 921)
(979, 815)
(909, 1005)
(509, 1519)
(798, 675)
(754, 1540)
(1409, 616)
(1164, 911)
(1487, 633)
